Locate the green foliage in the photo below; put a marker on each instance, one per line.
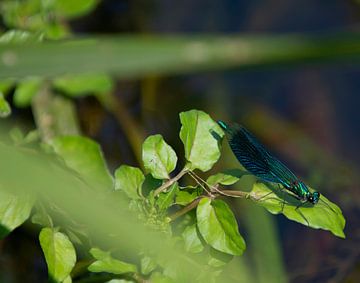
(106, 263)
(186, 195)
(129, 180)
(166, 199)
(192, 239)
(324, 215)
(59, 254)
(226, 178)
(85, 157)
(5, 109)
(26, 90)
(188, 219)
(14, 211)
(201, 137)
(19, 36)
(85, 84)
(44, 16)
(159, 158)
(217, 225)
(73, 9)
(6, 85)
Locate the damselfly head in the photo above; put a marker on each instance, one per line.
(223, 125)
(314, 197)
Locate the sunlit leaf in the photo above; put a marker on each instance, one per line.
(72, 9)
(159, 158)
(192, 239)
(59, 253)
(6, 85)
(200, 136)
(5, 109)
(166, 199)
(106, 263)
(148, 264)
(218, 259)
(14, 211)
(26, 90)
(84, 84)
(157, 277)
(218, 226)
(227, 177)
(19, 36)
(129, 180)
(186, 195)
(84, 156)
(323, 215)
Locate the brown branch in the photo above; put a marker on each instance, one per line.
(168, 183)
(186, 209)
(239, 194)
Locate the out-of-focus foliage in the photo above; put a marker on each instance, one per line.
(135, 225)
(211, 234)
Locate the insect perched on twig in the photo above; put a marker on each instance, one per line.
(258, 161)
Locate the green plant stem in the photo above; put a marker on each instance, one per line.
(239, 194)
(54, 115)
(195, 202)
(171, 181)
(186, 209)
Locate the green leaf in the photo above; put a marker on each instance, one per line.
(323, 215)
(186, 195)
(73, 9)
(166, 199)
(192, 239)
(59, 253)
(85, 84)
(84, 156)
(157, 277)
(129, 180)
(120, 281)
(201, 137)
(226, 178)
(148, 264)
(150, 184)
(218, 226)
(18, 137)
(106, 263)
(26, 90)
(159, 158)
(14, 211)
(6, 85)
(19, 36)
(218, 259)
(5, 109)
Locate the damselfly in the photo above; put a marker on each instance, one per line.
(258, 161)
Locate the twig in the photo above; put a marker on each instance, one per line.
(236, 194)
(187, 208)
(168, 183)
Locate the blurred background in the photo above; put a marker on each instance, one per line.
(306, 111)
